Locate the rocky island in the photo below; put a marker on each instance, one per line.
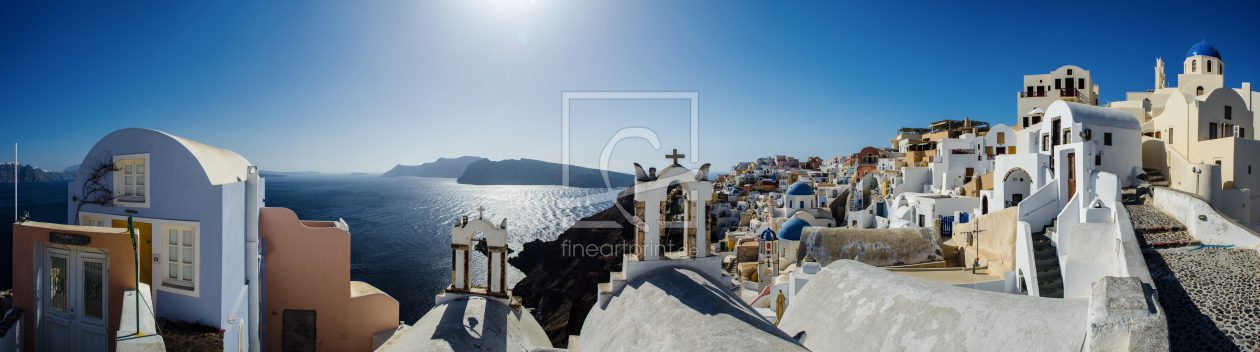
(537, 172)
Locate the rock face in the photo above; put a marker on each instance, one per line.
(876, 247)
(443, 167)
(31, 174)
(561, 282)
(537, 172)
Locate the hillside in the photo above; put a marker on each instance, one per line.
(560, 289)
(537, 172)
(443, 167)
(31, 174)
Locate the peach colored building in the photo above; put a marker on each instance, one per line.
(78, 286)
(307, 271)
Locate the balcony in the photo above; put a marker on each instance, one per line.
(1032, 94)
(962, 151)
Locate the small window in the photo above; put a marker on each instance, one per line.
(131, 184)
(1242, 132)
(1107, 138)
(1098, 160)
(1080, 83)
(1069, 72)
(1045, 142)
(93, 221)
(1194, 65)
(1058, 83)
(988, 150)
(1010, 150)
(1198, 91)
(1229, 112)
(1170, 135)
(1213, 130)
(1025, 121)
(1208, 66)
(1157, 135)
(1001, 138)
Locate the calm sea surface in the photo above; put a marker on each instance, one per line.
(400, 227)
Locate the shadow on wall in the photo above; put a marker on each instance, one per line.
(1155, 155)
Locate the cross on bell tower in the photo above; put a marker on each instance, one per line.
(675, 156)
(480, 210)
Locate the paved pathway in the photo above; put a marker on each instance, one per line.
(1210, 295)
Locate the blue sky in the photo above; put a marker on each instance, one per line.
(340, 86)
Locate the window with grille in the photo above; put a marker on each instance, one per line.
(180, 263)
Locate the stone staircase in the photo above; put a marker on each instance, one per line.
(1156, 177)
(1049, 277)
(616, 280)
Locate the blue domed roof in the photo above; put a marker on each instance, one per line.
(800, 189)
(1204, 49)
(791, 229)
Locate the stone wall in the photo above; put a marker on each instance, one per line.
(877, 247)
(992, 236)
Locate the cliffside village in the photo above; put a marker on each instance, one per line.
(1070, 225)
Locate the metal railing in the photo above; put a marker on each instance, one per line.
(1032, 94)
(962, 151)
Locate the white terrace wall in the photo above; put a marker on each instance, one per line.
(1213, 229)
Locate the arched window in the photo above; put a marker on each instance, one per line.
(1198, 91)
(1209, 65)
(1194, 65)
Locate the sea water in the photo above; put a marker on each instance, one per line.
(399, 227)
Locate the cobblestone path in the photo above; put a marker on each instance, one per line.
(1211, 296)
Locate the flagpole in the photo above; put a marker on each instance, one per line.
(15, 181)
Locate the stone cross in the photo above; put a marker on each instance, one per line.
(480, 210)
(675, 156)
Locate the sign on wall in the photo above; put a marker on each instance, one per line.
(69, 238)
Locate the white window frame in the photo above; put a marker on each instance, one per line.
(158, 280)
(94, 221)
(118, 181)
(180, 284)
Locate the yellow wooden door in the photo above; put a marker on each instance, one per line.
(144, 231)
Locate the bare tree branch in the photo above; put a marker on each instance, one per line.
(97, 189)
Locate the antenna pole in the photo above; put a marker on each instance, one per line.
(15, 181)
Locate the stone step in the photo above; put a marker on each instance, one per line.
(617, 280)
(605, 294)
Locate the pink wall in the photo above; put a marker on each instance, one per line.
(309, 269)
(121, 274)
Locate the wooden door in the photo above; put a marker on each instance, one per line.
(58, 307)
(74, 296)
(298, 331)
(1071, 169)
(91, 295)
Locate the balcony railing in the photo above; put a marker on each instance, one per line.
(1032, 94)
(962, 151)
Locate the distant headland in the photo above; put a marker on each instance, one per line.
(443, 167)
(537, 172)
(474, 170)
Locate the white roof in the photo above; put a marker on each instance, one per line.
(222, 166)
(1036, 111)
